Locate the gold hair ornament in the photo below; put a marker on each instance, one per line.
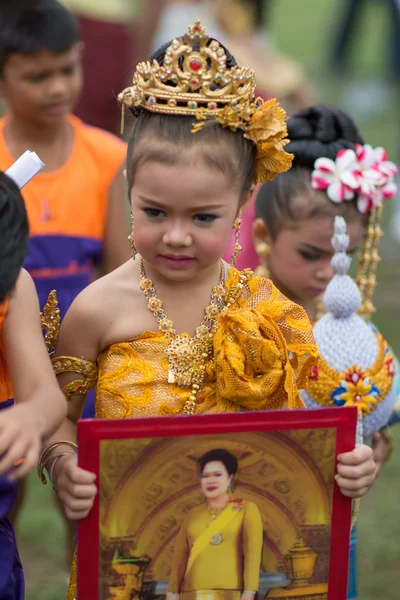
(195, 80)
(368, 262)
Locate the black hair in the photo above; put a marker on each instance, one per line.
(229, 461)
(318, 131)
(28, 26)
(14, 232)
(168, 139)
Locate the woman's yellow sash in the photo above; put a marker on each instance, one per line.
(218, 525)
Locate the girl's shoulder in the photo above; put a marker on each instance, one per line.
(104, 306)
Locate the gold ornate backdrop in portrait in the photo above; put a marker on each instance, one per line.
(148, 486)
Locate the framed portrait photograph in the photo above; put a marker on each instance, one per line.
(216, 507)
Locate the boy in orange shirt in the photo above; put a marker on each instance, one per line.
(76, 209)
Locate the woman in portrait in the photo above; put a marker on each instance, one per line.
(219, 546)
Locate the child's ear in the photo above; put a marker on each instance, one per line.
(260, 232)
(247, 197)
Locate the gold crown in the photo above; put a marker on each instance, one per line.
(195, 80)
(194, 77)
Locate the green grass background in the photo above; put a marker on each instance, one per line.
(302, 29)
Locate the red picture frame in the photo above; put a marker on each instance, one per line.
(91, 433)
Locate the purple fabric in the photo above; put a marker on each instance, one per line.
(12, 585)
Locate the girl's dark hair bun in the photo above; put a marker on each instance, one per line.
(320, 131)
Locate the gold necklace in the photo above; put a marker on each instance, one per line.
(187, 356)
(214, 512)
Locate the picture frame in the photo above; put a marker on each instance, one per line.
(150, 487)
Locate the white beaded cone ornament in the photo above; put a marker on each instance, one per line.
(356, 366)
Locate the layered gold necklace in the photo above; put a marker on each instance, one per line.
(187, 356)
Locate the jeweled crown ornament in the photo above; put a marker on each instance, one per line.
(356, 366)
(193, 76)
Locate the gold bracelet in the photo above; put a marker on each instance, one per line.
(44, 457)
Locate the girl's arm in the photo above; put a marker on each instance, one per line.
(40, 406)
(79, 337)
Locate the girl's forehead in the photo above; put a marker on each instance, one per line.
(318, 231)
(182, 184)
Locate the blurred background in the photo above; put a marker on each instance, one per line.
(339, 52)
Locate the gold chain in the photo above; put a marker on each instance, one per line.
(186, 355)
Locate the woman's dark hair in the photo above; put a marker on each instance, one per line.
(28, 26)
(229, 461)
(168, 139)
(318, 131)
(14, 232)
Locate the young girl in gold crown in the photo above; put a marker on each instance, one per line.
(334, 174)
(142, 334)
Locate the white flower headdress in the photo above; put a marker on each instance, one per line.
(364, 171)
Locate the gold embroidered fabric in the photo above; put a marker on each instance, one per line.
(263, 353)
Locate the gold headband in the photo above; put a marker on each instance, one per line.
(195, 80)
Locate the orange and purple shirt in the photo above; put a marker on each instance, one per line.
(6, 393)
(67, 212)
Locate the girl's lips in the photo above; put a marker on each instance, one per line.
(211, 488)
(177, 261)
(317, 291)
(177, 256)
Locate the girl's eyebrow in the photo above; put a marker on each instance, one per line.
(203, 208)
(321, 251)
(315, 248)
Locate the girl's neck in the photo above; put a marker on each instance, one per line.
(207, 277)
(219, 502)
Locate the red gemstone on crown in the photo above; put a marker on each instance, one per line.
(195, 65)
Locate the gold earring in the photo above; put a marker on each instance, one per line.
(262, 250)
(237, 247)
(132, 242)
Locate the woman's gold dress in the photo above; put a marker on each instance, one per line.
(222, 571)
(263, 353)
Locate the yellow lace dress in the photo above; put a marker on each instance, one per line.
(263, 353)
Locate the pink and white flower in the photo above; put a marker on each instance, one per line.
(365, 172)
(338, 177)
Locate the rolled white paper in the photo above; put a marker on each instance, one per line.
(25, 168)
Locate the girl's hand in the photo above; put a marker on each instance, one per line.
(356, 471)
(20, 441)
(380, 451)
(75, 487)
(247, 595)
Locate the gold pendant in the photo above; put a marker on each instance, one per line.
(216, 539)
